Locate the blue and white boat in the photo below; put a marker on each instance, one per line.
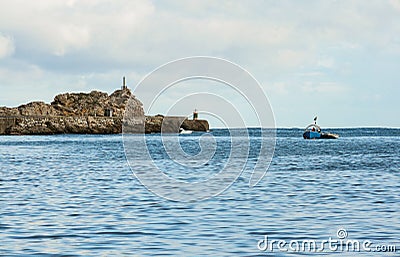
(313, 131)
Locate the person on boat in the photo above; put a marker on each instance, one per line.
(313, 129)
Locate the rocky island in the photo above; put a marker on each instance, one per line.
(90, 113)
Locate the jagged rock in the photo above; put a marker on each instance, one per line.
(83, 113)
(119, 100)
(6, 111)
(134, 119)
(171, 124)
(90, 113)
(37, 109)
(93, 104)
(195, 125)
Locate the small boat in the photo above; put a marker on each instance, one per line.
(185, 132)
(313, 131)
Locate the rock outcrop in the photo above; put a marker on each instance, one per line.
(95, 104)
(172, 124)
(90, 113)
(83, 113)
(47, 125)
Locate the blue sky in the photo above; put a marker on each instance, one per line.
(339, 60)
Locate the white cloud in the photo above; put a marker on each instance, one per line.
(130, 31)
(70, 38)
(323, 87)
(293, 48)
(292, 58)
(395, 4)
(326, 62)
(309, 74)
(279, 88)
(7, 46)
(60, 27)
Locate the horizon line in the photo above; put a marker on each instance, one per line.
(254, 127)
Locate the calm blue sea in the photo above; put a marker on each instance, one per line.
(75, 195)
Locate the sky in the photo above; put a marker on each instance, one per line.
(339, 60)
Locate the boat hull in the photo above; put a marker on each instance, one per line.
(317, 135)
(311, 135)
(329, 136)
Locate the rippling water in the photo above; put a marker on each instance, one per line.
(75, 195)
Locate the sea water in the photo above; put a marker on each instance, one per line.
(76, 195)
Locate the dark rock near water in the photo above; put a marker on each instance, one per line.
(172, 124)
(90, 113)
